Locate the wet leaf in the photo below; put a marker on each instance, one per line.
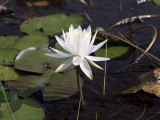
(36, 39)
(7, 73)
(51, 24)
(7, 42)
(10, 96)
(144, 78)
(156, 2)
(60, 86)
(29, 110)
(33, 60)
(152, 87)
(55, 86)
(7, 56)
(30, 26)
(113, 50)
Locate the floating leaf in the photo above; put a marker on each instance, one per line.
(30, 26)
(60, 86)
(29, 110)
(10, 96)
(8, 41)
(51, 24)
(7, 56)
(156, 2)
(7, 73)
(113, 50)
(144, 78)
(152, 87)
(55, 86)
(36, 39)
(34, 60)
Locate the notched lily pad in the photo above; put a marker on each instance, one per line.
(29, 110)
(36, 39)
(7, 41)
(34, 60)
(51, 24)
(7, 56)
(7, 73)
(55, 86)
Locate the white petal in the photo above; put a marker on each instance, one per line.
(93, 39)
(54, 55)
(88, 29)
(78, 44)
(98, 46)
(61, 53)
(79, 29)
(64, 35)
(62, 43)
(88, 51)
(77, 60)
(97, 58)
(95, 65)
(64, 65)
(86, 69)
(71, 29)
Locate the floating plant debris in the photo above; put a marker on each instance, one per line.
(149, 82)
(133, 19)
(37, 3)
(4, 11)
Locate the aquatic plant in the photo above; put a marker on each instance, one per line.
(79, 45)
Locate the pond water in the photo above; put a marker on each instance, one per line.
(103, 13)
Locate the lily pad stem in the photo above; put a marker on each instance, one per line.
(79, 86)
(7, 101)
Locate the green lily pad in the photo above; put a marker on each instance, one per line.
(114, 50)
(36, 39)
(7, 56)
(7, 73)
(34, 60)
(60, 86)
(30, 26)
(10, 96)
(55, 86)
(157, 2)
(29, 110)
(51, 24)
(7, 42)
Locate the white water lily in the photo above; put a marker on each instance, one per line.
(79, 46)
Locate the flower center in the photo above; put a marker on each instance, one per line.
(76, 34)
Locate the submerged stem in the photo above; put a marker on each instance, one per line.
(79, 85)
(7, 101)
(79, 107)
(104, 83)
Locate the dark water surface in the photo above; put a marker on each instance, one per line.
(104, 13)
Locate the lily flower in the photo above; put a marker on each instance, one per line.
(79, 45)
